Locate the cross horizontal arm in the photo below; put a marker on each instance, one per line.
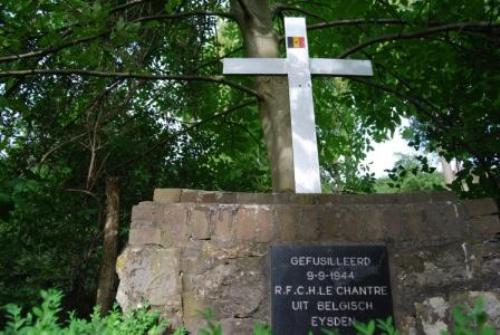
(340, 67)
(264, 66)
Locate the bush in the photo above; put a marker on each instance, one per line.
(44, 319)
(466, 321)
(471, 321)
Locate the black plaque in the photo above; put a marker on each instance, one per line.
(328, 287)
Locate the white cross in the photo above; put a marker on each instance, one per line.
(299, 68)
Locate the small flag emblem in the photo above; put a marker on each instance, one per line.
(296, 42)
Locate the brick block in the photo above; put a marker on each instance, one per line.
(485, 226)
(442, 196)
(373, 221)
(329, 218)
(167, 195)
(286, 218)
(416, 225)
(308, 227)
(139, 224)
(207, 197)
(444, 221)
(192, 305)
(225, 197)
(144, 236)
(175, 214)
(480, 207)
(222, 224)
(174, 225)
(190, 195)
(200, 223)
(303, 199)
(245, 223)
(264, 225)
(281, 198)
(254, 198)
(144, 211)
(393, 219)
(344, 223)
(330, 199)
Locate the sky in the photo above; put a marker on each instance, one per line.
(385, 154)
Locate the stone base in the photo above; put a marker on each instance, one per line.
(189, 250)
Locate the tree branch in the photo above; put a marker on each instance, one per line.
(89, 193)
(244, 7)
(126, 5)
(462, 26)
(354, 22)
(60, 145)
(218, 59)
(47, 51)
(245, 129)
(51, 50)
(406, 83)
(405, 97)
(183, 15)
(185, 130)
(415, 101)
(67, 30)
(278, 8)
(127, 75)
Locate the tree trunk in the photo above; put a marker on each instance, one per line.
(107, 276)
(255, 22)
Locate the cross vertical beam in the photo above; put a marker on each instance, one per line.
(305, 147)
(299, 68)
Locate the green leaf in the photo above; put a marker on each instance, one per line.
(365, 328)
(171, 5)
(120, 24)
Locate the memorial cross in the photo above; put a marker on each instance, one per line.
(298, 67)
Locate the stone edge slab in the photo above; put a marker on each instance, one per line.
(175, 195)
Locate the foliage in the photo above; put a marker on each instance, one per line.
(61, 137)
(383, 326)
(411, 174)
(468, 321)
(262, 329)
(342, 142)
(44, 319)
(211, 328)
(92, 89)
(215, 328)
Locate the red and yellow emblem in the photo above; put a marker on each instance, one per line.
(296, 42)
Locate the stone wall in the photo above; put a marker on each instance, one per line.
(190, 249)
